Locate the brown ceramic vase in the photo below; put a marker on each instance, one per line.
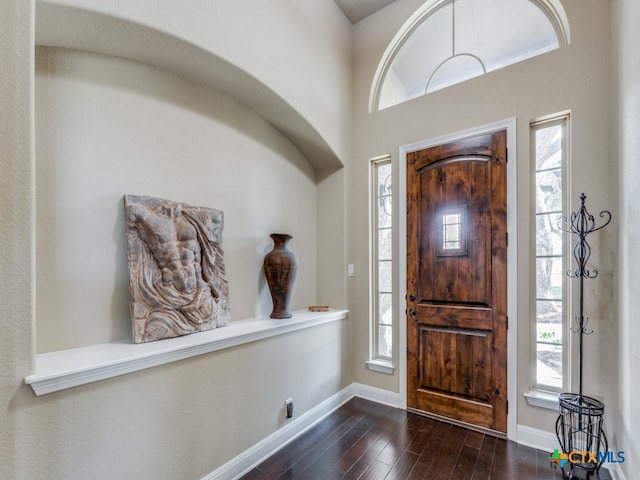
(280, 268)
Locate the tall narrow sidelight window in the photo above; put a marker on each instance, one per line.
(382, 284)
(549, 140)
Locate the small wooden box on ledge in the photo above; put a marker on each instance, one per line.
(318, 308)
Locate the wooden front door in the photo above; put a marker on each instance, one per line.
(457, 280)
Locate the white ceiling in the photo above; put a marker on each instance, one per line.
(356, 10)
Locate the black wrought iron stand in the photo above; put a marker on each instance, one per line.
(579, 426)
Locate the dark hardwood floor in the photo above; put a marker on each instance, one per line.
(365, 440)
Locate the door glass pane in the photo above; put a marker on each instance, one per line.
(451, 231)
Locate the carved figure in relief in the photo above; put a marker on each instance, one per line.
(176, 268)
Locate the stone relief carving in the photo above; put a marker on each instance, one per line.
(176, 268)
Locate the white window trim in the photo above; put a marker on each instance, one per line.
(542, 399)
(540, 395)
(381, 366)
(376, 362)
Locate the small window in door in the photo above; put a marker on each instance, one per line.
(451, 231)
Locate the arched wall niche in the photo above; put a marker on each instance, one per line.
(287, 143)
(552, 10)
(80, 27)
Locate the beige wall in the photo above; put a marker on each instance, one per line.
(627, 128)
(288, 61)
(16, 228)
(578, 78)
(106, 126)
(189, 417)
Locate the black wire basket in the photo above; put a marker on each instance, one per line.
(580, 433)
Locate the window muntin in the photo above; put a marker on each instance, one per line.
(382, 336)
(452, 41)
(550, 143)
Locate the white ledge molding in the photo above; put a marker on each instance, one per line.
(65, 369)
(382, 366)
(538, 398)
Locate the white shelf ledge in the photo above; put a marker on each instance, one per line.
(70, 368)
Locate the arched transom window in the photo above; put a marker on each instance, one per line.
(449, 41)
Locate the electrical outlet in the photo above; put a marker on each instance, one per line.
(288, 404)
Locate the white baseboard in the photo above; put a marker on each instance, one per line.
(547, 442)
(536, 438)
(615, 471)
(238, 466)
(378, 395)
(247, 460)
